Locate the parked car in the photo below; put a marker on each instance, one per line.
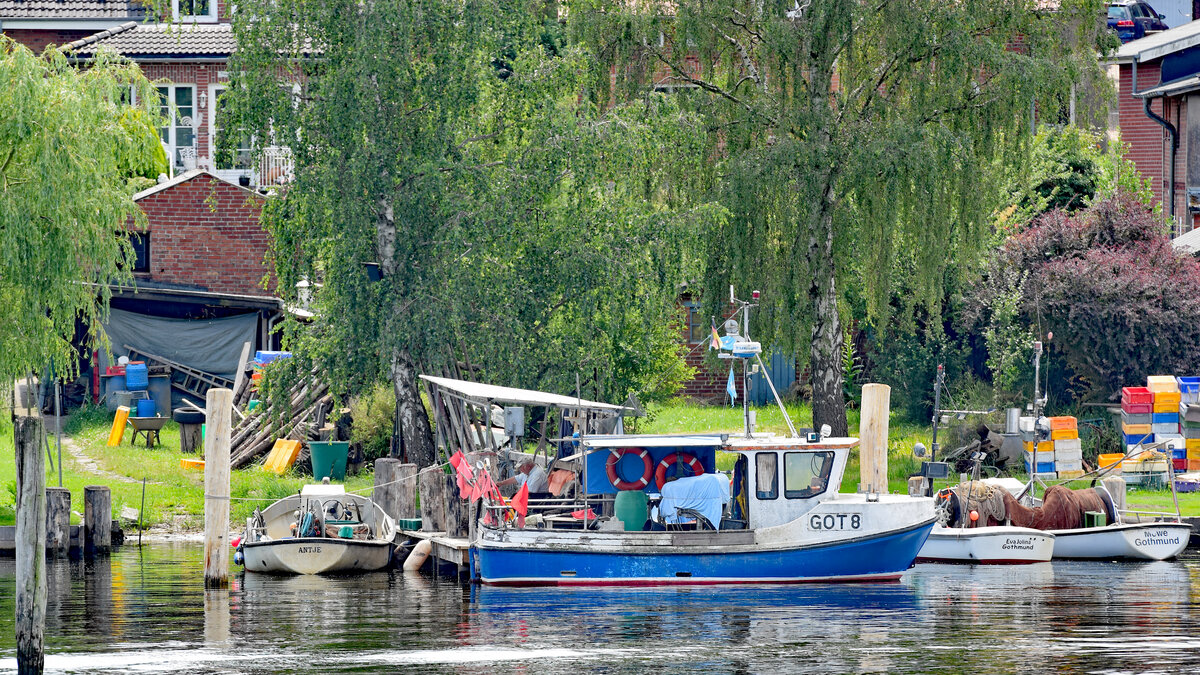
(1132, 19)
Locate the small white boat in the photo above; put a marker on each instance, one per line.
(1138, 541)
(995, 545)
(322, 530)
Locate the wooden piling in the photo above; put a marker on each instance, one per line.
(433, 503)
(387, 492)
(58, 522)
(456, 509)
(28, 435)
(97, 520)
(407, 487)
(1116, 487)
(189, 437)
(218, 404)
(873, 432)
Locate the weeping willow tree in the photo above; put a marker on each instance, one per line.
(515, 223)
(852, 135)
(70, 148)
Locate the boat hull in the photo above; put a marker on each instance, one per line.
(316, 556)
(998, 545)
(879, 557)
(1136, 541)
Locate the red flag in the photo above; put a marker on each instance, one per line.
(520, 502)
(462, 469)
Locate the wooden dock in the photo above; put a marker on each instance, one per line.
(446, 550)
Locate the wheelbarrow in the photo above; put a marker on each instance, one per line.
(148, 427)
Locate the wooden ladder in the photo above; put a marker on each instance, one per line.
(184, 378)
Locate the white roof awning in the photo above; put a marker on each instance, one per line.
(1158, 45)
(655, 441)
(1181, 86)
(485, 394)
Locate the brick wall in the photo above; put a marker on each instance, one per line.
(1149, 143)
(40, 38)
(205, 234)
(202, 75)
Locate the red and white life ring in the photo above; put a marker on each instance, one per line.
(614, 457)
(690, 461)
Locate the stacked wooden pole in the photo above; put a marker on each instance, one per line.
(258, 432)
(216, 488)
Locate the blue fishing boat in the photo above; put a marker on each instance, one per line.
(652, 510)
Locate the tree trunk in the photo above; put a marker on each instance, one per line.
(828, 401)
(415, 433)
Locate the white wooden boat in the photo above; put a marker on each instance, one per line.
(1137, 541)
(995, 545)
(339, 533)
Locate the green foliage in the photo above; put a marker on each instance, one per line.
(1009, 342)
(1068, 168)
(848, 136)
(372, 414)
(69, 142)
(852, 368)
(518, 227)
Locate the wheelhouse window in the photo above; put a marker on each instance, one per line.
(766, 475)
(178, 106)
(806, 474)
(141, 251)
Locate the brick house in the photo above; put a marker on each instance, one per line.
(187, 58)
(1158, 115)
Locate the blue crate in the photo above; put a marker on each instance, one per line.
(1043, 467)
(1134, 439)
(1180, 453)
(1160, 418)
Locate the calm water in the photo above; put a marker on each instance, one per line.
(146, 611)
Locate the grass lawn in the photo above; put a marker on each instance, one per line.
(903, 434)
(174, 495)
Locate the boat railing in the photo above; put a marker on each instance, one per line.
(1138, 512)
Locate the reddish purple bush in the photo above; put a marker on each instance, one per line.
(1122, 303)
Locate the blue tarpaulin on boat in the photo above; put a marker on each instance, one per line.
(630, 467)
(707, 494)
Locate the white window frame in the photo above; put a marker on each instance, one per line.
(214, 91)
(210, 17)
(171, 143)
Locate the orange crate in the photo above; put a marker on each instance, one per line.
(1193, 465)
(1110, 459)
(1066, 422)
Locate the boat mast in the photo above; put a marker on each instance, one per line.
(937, 409)
(745, 366)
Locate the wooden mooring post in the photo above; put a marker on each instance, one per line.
(433, 502)
(97, 520)
(873, 430)
(218, 404)
(29, 434)
(456, 509)
(58, 521)
(407, 488)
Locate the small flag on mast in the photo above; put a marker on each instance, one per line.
(730, 388)
(716, 339)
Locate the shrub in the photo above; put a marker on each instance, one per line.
(372, 414)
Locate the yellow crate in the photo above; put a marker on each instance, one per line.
(1045, 447)
(1063, 434)
(1167, 397)
(283, 456)
(1193, 454)
(1070, 475)
(1136, 429)
(1110, 459)
(1191, 443)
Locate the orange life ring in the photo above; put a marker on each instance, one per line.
(615, 455)
(660, 476)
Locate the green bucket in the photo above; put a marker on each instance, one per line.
(329, 459)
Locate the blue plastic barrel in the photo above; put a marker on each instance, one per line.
(146, 407)
(137, 376)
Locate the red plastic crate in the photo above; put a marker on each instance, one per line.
(1136, 395)
(1180, 464)
(1137, 408)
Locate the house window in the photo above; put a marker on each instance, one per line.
(806, 474)
(695, 323)
(230, 147)
(194, 10)
(766, 475)
(141, 251)
(178, 107)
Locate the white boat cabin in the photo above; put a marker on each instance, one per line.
(774, 480)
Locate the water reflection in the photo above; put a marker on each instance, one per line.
(147, 611)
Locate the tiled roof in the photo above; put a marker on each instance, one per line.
(71, 9)
(150, 40)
